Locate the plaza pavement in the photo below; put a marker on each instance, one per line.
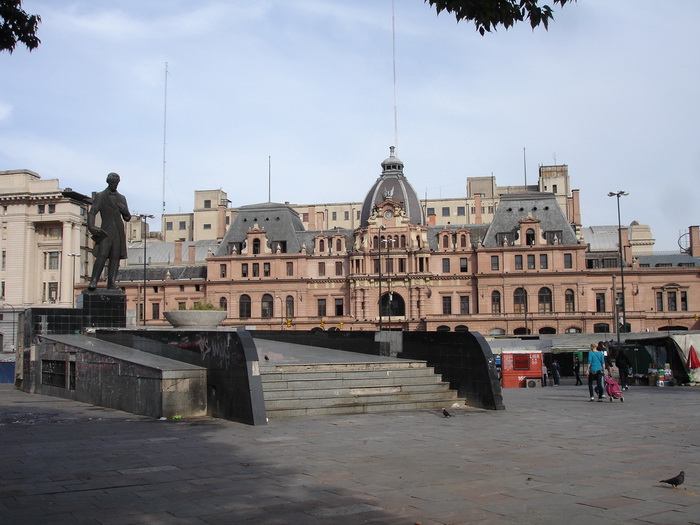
(550, 457)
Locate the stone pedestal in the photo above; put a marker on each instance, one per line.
(103, 308)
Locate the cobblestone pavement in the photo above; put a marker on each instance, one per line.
(550, 457)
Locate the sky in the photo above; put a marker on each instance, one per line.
(294, 101)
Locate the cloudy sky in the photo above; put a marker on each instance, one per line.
(304, 90)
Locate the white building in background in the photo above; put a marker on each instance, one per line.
(43, 242)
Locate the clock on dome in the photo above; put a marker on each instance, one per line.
(388, 214)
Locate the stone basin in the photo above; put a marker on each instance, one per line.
(203, 318)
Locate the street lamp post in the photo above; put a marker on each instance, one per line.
(75, 257)
(388, 271)
(379, 245)
(144, 216)
(619, 194)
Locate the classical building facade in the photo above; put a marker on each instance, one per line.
(525, 267)
(44, 245)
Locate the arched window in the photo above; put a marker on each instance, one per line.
(289, 307)
(321, 246)
(520, 301)
(445, 241)
(267, 310)
(256, 246)
(530, 237)
(495, 302)
(600, 328)
(403, 241)
(338, 245)
(443, 328)
(418, 241)
(462, 241)
(244, 307)
(547, 330)
(223, 304)
(544, 301)
(570, 301)
(375, 242)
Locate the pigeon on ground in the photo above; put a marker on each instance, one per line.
(675, 481)
(446, 413)
(267, 358)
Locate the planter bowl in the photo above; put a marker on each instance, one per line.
(200, 318)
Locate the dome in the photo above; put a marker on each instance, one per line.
(392, 184)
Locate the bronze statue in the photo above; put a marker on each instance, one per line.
(110, 238)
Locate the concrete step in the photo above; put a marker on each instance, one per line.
(352, 388)
(375, 389)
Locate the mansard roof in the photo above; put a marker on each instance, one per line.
(280, 222)
(539, 206)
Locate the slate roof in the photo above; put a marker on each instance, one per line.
(541, 206)
(680, 259)
(601, 238)
(161, 252)
(159, 273)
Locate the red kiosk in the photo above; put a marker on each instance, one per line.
(521, 368)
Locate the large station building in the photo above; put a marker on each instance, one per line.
(503, 260)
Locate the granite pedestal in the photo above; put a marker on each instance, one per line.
(103, 308)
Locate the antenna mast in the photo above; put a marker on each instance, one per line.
(393, 60)
(165, 116)
(525, 168)
(269, 178)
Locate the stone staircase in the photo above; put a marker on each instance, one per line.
(352, 388)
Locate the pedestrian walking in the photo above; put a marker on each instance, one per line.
(596, 367)
(577, 371)
(544, 374)
(623, 366)
(555, 373)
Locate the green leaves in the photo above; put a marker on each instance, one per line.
(16, 26)
(487, 15)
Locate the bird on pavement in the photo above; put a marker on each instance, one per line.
(267, 358)
(445, 413)
(676, 480)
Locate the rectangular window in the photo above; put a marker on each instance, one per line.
(53, 292)
(568, 261)
(461, 210)
(41, 209)
(305, 217)
(207, 203)
(182, 306)
(346, 215)
(376, 265)
(256, 269)
(491, 210)
(464, 305)
(446, 305)
(431, 211)
(290, 269)
(52, 208)
(4, 259)
(182, 225)
(390, 266)
(52, 259)
(530, 262)
(672, 306)
(600, 302)
(339, 268)
(494, 262)
(518, 262)
(445, 211)
(321, 307)
(473, 210)
(609, 263)
(222, 271)
(659, 301)
(338, 307)
(445, 265)
(543, 261)
(684, 301)
(334, 216)
(402, 265)
(321, 269)
(53, 373)
(266, 269)
(207, 226)
(169, 226)
(463, 264)
(182, 287)
(155, 310)
(244, 270)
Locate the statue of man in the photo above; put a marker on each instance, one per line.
(110, 238)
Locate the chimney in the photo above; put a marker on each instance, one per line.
(221, 220)
(178, 252)
(626, 249)
(575, 208)
(191, 253)
(694, 243)
(477, 204)
(312, 218)
(432, 219)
